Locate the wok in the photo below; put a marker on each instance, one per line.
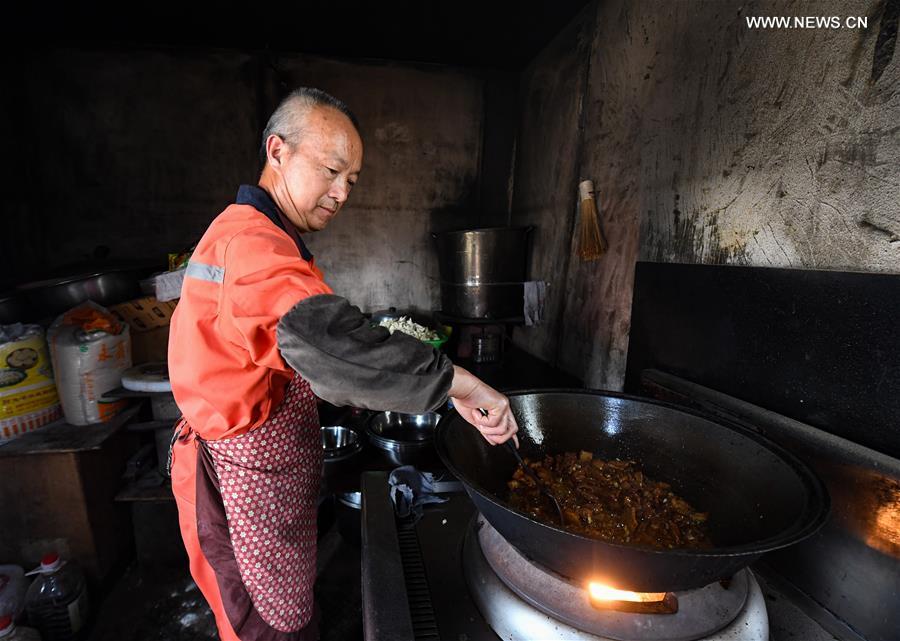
(759, 497)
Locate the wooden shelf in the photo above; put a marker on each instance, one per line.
(62, 437)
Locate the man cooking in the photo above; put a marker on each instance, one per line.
(256, 337)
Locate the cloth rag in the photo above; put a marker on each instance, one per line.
(535, 293)
(411, 491)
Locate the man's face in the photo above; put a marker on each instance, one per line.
(317, 171)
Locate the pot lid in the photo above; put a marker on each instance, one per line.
(389, 313)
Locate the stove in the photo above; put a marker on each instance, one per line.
(521, 600)
(451, 576)
(808, 369)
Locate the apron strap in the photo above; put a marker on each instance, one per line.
(181, 432)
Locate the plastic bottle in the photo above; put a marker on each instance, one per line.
(56, 602)
(13, 585)
(11, 632)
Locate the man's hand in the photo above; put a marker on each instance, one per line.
(470, 395)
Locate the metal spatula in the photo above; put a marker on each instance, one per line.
(542, 487)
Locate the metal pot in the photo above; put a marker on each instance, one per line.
(48, 298)
(405, 439)
(482, 271)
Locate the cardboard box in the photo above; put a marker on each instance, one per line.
(150, 347)
(145, 314)
(149, 320)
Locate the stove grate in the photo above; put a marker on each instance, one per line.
(420, 606)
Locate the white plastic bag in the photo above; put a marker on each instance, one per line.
(90, 348)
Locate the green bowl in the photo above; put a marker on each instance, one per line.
(438, 342)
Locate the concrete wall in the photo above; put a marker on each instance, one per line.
(139, 150)
(423, 132)
(545, 176)
(136, 151)
(712, 142)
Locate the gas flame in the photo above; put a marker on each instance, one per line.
(601, 592)
(885, 531)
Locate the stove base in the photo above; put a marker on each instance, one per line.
(512, 617)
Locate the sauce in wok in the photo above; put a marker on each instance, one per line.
(609, 500)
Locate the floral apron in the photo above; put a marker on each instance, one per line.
(257, 496)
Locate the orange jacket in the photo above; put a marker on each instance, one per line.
(226, 371)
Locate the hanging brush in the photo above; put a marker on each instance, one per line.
(591, 243)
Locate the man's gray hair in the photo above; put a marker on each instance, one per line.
(287, 117)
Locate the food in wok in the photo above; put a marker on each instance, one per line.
(612, 500)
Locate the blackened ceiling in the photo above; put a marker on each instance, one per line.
(502, 35)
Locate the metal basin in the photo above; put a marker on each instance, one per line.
(404, 439)
(339, 442)
(54, 296)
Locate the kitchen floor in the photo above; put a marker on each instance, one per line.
(165, 604)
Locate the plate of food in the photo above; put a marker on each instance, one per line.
(407, 325)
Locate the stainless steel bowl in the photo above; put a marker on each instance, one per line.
(339, 442)
(405, 439)
(352, 500)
